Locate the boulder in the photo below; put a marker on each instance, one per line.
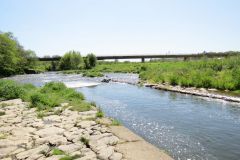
(32, 152)
(86, 124)
(105, 153)
(50, 131)
(53, 140)
(116, 156)
(52, 118)
(70, 148)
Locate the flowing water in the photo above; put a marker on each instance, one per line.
(187, 127)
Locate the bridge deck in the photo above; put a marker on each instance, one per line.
(210, 55)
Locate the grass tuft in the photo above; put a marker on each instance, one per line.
(2, 113)
(115, 122)
(100, 113)
(56, 151)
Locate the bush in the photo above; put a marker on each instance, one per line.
(53, 87)
(71, 94)
(43, 102)
(90, 61)
(71, 60)
(10, 90)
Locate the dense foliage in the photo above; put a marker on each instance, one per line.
(71, 60)
(14, 59)
(90, 61)
(44, 98)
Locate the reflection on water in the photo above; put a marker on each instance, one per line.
(188, 127)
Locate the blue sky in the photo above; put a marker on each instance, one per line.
(114, 27)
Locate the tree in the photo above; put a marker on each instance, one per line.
(90, 61)
(8, 55)
(71, 60)
(13, 57)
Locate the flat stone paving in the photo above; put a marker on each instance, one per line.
(24, 136)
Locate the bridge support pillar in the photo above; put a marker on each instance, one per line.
(143, 60)
(185, 58)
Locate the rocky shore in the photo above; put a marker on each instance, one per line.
(194, 91)
(67, 135)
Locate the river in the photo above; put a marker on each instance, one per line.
(186, 126)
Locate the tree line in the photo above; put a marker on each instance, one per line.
(73, 60)
(14, 59)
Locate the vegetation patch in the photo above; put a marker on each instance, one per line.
(90, 73)
(56, 151)
(115, 122)
(2, 113)
(10, 90)
(44, 98)
(100, 113)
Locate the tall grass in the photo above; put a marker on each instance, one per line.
(208, 73)
(44, 98)
(219, 73)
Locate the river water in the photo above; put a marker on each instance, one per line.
(186, 126)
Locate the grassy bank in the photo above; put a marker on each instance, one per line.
(222, 74)
(44, 98)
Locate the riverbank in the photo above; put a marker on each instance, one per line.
(210, 93)
(67, 135)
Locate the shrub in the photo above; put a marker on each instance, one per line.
(10, 90)
(43, 102)
(53, 87)
(90, 61)
(71, 60)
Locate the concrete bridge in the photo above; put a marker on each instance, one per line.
(143, 57)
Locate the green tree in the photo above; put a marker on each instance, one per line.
(90, 61)
(8, 55)
(71, 60)
(14, 59)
